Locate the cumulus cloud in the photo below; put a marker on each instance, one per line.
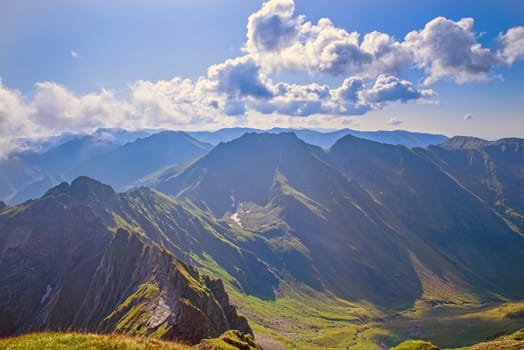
(175, 102)
(446, 49)
(394, 121)
(273, 26)
(353, 97)
(278, 39)
(468, 116)
(75, 54)
(55, 107)
(14, 119)
(239, 77)
(512, 43)
(390, 88)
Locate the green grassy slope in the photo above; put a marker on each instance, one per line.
(381, 227)
(81, 341)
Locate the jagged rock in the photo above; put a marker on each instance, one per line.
(231, 340)
(64, 269)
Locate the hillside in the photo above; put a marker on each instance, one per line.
(64, 268)
(366, 221)
(491, 170)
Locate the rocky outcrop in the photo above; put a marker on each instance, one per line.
(231, 340)
(172, 301)
(62, 268)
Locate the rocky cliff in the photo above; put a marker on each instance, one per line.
(62, 268)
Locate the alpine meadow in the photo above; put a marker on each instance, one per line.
(261, 175)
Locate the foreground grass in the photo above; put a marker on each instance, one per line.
(81, 341)
(231, 340)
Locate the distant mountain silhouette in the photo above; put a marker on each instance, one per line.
(326, 139)
(101, 155)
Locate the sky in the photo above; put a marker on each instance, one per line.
(439, 66)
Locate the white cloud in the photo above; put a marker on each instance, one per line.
(353, 97)
(13, 121)
(57, 108)
(394, 121)
(446, 49)
(239, 77)
(512, 43)
(176, 102)
(272, 27)
(468, 116)
(390, 88)
(278, 39)
(75, 54)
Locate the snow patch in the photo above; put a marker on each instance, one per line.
(236, 219)
(46, 294)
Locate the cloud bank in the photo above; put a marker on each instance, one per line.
(371, 68)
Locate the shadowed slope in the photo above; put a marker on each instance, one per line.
(64, 268)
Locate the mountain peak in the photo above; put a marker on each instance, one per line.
(81, 189)
(464, 142)
(263, 143)
(266, 139)
(285, 135)
(350, 140)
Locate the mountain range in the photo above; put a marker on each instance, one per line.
(364, 235)
(326, 138)
(140, 155)
(365, 220)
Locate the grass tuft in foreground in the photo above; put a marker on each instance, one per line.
(231, 340)
(81, 341)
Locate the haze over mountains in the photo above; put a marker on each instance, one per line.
(138, 154)
(382, 226)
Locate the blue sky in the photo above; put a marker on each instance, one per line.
(75, 66)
